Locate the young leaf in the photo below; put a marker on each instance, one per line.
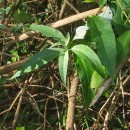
(102, 34)
(63, 65)
(67, 40)
(49, 32)
(123, 46)
(56, 44)
(85, 73)
(39, 59)
(86, 53)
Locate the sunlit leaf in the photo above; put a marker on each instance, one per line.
(96, 80)
(67, 40)
(103, 35)
(119, 22)
(88, 1)
(123, 46)
(102, 3)
(86, 53)
(39, 59)
(63, 65)
(20, 128)
(48, 31)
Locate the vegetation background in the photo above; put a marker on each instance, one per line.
(51, 81)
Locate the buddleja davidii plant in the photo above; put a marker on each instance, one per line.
(101, 33)
(62, 49)
(91, 67)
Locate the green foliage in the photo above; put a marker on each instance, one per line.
(100, 2)
(39, 59)
(123, 46)
(103, 35)
(20, 128)
(2, 79)
(121, 16)
(49, 32)
(89, 56)
(85, 74)
(15, 56)
(88, 1)
(63, 65)
(95, 53)
(96, 80)
(20, 16)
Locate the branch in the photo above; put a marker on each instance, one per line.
(71, 105)
(10, 67)
(61, 23)
(76, 17)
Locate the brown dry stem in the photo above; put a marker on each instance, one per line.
(71, 104)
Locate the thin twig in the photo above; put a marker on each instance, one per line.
(63, 9)
(18, 107)
(11, 106)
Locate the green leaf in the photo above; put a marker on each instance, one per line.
(20, 128)
(102, 3)
(15, 55)
(88, 1)
(85, 73)
(2, 79)
(39, 59)
(123, 46)
(96, 80)
(56, 44)
(86, 53)
(119, 18)
(67, 40)
(63, 65)
(49, 32)
(20, 16)
(102, 34)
